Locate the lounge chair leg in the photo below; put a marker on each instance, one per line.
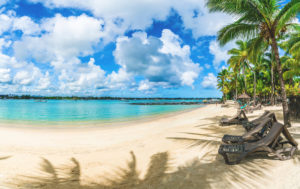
(225, 156)
(291, 150)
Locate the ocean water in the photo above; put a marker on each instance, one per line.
(53, 111)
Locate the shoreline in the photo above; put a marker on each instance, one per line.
(92, 124)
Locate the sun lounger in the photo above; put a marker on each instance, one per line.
(255, 134)
(248, 125)
(257, 107)
(269, 143)
(238, 119)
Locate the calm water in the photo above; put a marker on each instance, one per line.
(70, 110)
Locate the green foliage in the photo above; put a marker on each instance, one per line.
(261, 23)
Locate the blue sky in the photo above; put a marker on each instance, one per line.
(110, 48)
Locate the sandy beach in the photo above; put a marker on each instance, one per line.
(177, 151)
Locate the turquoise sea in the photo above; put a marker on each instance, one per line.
(52, 111)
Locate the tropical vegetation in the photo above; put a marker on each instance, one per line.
(263, 29)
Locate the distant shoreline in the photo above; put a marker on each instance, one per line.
(17, 97)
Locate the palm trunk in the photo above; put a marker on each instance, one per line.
(254, 88)
(286, 113)
(245, 80)
(254, 85)
(272, 84)
(236, 88)
(223, 93)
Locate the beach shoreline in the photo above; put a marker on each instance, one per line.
(171, 152)
(94, 124)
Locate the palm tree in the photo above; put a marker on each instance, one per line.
(293, 48)
(222, 77)
(238, 60)
(268, 61)
(262, 20)
(293, 44)
(292, 66)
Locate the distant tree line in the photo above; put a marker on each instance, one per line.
(90, 98)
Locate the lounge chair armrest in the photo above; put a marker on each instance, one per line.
(232, 139)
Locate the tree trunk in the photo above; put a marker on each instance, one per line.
(254, 84)
(245, 80)
(272, 84)
(254, 88)
(236, 88)
(223, 93)
(286, 113)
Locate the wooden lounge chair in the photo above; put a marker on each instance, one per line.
(238, 119)
(269, 143)
(253, 135)
(248, 125)
(257, 107)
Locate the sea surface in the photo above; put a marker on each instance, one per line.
(54, 111)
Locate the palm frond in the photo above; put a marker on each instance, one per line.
(236, 30)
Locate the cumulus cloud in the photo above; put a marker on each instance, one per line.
(81, 77)
(65, 37)
(157, 59)
(120, 15)
(18, 76)
(5, 23)
(26, 25)
(220, 53)
(209, 81)
(10, 22)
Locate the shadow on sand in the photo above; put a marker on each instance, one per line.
(193, 175)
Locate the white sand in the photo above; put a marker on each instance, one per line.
(177, 151)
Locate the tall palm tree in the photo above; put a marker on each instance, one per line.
(268, 62)
(238, 60)
(222, 78)
(262, 20)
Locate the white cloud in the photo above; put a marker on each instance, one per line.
(119, 80)
(18, 76)
(27, 26)
(120, 15)
(4, 43)
(44, 82)
(207, 66)
(79, 77)
(5, 23)
(157, 59)
(65, 37)
(3, 2)
(5, 75)
(145, 85)
(220, 53)
(209, 81)
(10, 22)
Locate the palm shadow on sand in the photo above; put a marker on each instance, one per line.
(193, 175)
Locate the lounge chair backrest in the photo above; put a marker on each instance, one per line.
(270, 137)
(260, 129)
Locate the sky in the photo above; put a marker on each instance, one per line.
(133, 48)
